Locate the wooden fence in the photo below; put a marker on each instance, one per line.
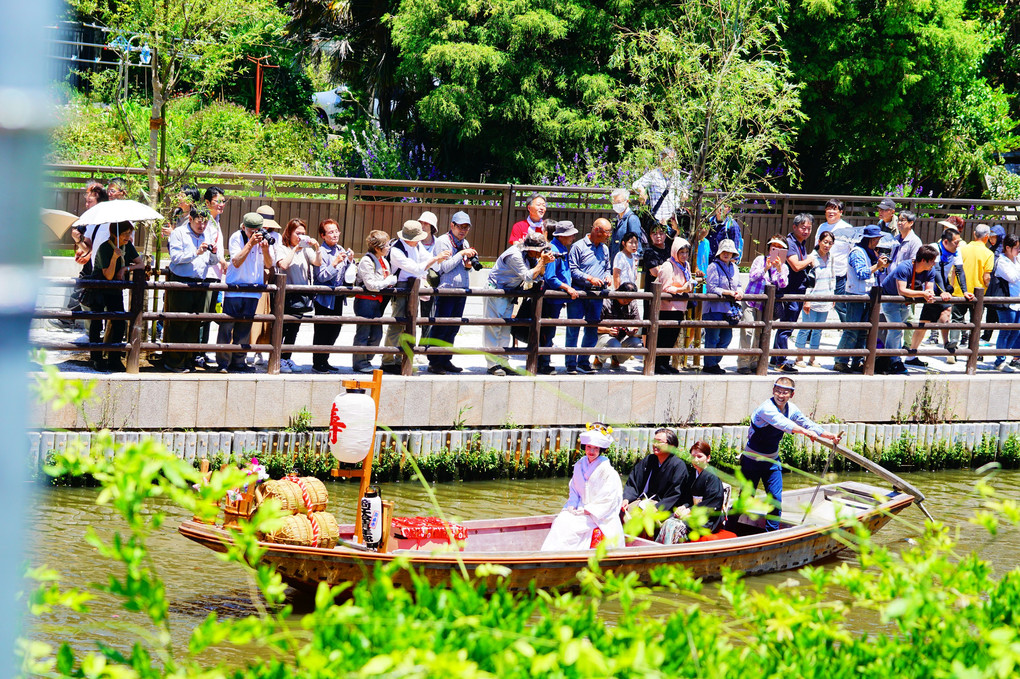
(762, 351)
(360, 205)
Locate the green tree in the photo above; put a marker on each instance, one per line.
(504, 87)
(893, 90)
(713, 84)
(354, 41)
(192, 42)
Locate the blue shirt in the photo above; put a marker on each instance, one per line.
(767, 414)
(904, 271)
(626, 223)
(717, 233)
(557, 272)
(587, 260)
(333, 276)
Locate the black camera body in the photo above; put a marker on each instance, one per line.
(266, 234)
(474, 263)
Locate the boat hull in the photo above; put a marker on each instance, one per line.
(305, 567)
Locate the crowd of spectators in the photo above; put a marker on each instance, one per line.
(624, 254)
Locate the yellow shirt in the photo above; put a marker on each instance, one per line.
(977, 261)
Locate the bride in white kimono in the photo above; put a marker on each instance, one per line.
(592, 512)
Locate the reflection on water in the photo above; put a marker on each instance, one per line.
(198, 582)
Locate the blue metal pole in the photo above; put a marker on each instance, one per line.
(25, 112)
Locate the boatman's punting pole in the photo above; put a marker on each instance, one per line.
(882, 472)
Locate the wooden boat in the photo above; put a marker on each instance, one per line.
(814, 521)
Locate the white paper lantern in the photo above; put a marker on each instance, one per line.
(351, 425)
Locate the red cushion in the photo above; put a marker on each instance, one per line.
(721, 535)
(427, 527)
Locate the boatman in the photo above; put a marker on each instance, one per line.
(760, 459)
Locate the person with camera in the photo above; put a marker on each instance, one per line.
(408, 260)
(454, 272)
(677, 281)
(297, 255)
(517, 269)
(616, 340)
(194, 258)
(557, 277)
(251, 254)
(722, 279)
(331, 272)
(798, 262)
(863, 265)
(589, 262)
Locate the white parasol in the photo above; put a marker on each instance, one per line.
(117, 211)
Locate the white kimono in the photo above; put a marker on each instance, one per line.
(596, 495)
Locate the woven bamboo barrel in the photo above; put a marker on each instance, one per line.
(290, 496)
(297, 530)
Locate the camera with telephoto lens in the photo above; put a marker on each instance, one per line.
(474, 263)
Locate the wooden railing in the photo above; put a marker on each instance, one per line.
(138, 321)
(360, 205)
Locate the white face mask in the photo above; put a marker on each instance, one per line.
(619, 208)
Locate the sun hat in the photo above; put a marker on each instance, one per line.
(565, 228)
(727, 245)
(412, 231)
(872, 231)
(429, 218)
(268, 215)
(779, 243)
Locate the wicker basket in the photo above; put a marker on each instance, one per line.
(297, 530)
(290, 496)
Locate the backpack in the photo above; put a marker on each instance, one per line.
(997, 286)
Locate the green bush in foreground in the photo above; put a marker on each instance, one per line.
(939, 612)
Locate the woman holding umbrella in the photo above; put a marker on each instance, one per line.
(114, 259)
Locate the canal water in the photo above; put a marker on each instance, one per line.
(198, 582)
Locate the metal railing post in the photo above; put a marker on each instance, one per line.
(136, 326)
(874, 317)
(652, 338)
(535, 334)
(765, 341)
(279, 304)
(410, 328)
(977, 311)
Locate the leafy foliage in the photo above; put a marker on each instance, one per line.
(713, 84)
(936, 611)
(213, 136)
(501, 87)
(894, 90)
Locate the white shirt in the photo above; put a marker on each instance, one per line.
(184, 258)
(251, 270)
(627, 266)
(99, 233)
(409, 265)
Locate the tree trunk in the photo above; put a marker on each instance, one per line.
(155, 122)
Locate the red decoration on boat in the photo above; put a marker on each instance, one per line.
(427, 528)
(721, 535)
(335, 425)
